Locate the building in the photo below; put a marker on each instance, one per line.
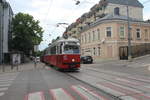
(6, 15)
(103, 31)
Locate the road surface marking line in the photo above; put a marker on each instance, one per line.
(128, 98)
(8, 75)
(82, 96)
(60, 94)
(123, 87)
(2, 93)
(35, 96)
(119, 90)
(127, 81)
(139, 79)
(127, 91)
(110, 90)
(3, 89)
(87, 94)
(6, 80)
(4, 85)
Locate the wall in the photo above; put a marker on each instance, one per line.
(134, 12)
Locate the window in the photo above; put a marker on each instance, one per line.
(108, 31)
(146, 34)
(93, 35)
(85, 38)
(99, 51)
(94, 51)
(116, 11)
(122, 33)
(89, 37)
(98, 34)
(138, 33)
(82, 39)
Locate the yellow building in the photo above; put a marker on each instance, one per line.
(108, 39)
(103, 31)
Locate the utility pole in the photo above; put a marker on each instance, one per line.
(129, 36)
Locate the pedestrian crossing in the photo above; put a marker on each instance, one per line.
(62, 94)
(124, 92)
(6, 81)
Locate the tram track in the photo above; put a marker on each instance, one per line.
(123, 75)
(98, 89)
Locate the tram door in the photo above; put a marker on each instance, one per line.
(123, 52)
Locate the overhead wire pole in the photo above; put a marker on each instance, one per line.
(129, 35)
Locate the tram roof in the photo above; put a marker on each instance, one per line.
(64, 40)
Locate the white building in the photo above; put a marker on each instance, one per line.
(6, 15)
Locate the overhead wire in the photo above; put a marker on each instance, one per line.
(147, 1)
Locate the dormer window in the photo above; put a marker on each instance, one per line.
(116, 11)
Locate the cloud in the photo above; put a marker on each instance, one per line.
(51, 12)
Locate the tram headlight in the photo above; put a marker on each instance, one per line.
(73, 60)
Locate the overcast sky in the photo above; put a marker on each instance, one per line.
(51, 12)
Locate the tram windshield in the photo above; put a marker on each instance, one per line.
(71, 49)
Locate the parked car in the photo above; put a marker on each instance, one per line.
(86, 59)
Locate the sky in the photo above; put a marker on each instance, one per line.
(51, 12)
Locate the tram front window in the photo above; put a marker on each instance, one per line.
(71, 49)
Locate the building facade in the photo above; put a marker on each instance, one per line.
(103, 31)
(108, 39)
(6, 15)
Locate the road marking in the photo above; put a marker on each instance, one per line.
(127, 81)
(87, 94)
(6, 80)
(2, 93)
(36, 96)
(110, 90)
(3, 89)
(4, 85)
(60, 94)
(128, 98)
(128, 91)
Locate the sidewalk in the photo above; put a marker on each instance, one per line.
(21, 67)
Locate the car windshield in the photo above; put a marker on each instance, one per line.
(71, 49)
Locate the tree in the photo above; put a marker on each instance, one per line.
(26, 33)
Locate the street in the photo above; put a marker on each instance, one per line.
(105, 81)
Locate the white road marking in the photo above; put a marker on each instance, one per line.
(109, 90)
(35, 96)
(86, 93)
(6, 80)
(2, 93)
(127, 81)
(124, 87)
(128, 98)
(3, 89)
(4, 85)
(60, 94)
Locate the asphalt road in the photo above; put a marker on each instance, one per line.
(47, 84)
(104, 81)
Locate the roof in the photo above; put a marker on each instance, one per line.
(135, 3)
(110, 18)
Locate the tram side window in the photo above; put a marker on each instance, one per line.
(53, 50)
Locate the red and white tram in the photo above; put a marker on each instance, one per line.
(63, 54)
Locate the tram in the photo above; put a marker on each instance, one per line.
(63, 54)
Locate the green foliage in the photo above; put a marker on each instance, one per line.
(26, 33)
